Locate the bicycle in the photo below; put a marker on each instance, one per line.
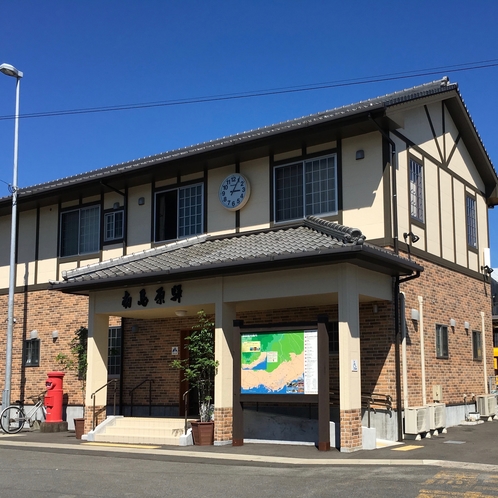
(14, 417)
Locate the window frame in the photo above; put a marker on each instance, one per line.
(471, 221)
(30, 346)
(201, 205)
(113, 212)
(79, 210)
(304, 195)
(416, 189)
(442, 336)
(114, 335)
(477, 346)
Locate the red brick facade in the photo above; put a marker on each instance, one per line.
(148, 351)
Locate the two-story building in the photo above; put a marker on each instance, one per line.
(372, 215)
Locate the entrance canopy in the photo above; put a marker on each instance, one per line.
(312, 242)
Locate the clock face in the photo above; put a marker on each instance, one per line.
(234, 191)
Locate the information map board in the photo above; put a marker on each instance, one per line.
(279, 362)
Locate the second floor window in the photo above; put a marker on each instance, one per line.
(113, 225)
(80, 231)
(306, 188)
(179, 212)
(471, 216)
(416, 191)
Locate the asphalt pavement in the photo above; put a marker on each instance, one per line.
(473, 446)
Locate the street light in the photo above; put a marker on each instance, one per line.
(12, 71)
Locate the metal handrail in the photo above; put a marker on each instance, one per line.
(185, 401)
(113, 381)
(367, 401)
(150, 381)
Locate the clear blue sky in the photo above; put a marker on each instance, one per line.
(98, 53)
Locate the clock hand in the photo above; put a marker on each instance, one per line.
(238, 180)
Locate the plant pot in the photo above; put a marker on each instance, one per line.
(79, 427)
(203, 433)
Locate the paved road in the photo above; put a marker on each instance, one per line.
(460, 464)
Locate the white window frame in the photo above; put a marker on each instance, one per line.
(189, 216)
(417, 190)
(116, 227)
(82, 232)
(314, 189)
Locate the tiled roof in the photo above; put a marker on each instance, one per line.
(432, 88)
(312, 237)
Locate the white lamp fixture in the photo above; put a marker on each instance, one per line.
(466, 325)
(34, 334)
(181, 312)
(415, 315)
(452, 322)
(55, 334)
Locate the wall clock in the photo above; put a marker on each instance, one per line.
(234, 191)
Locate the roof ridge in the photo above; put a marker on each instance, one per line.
(384, 100)
(348, 234)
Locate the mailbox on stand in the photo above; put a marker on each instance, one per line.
(53, 403)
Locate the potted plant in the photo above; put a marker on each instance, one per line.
(199, 370)
(77, 362)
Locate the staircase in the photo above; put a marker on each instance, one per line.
(138, 430)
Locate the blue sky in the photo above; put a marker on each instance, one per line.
(99, 53)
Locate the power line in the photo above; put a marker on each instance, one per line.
(470, 66)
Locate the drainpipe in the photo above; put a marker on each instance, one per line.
(396, 279)
(403, 348)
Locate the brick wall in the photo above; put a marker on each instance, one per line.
(45, 312)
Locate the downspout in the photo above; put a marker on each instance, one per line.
(484, 359)
(403, 349)
(399, 406)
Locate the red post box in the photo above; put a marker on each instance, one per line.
(53, 397)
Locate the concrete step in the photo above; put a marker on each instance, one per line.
(140, 430)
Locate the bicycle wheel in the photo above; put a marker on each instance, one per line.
(12, 419)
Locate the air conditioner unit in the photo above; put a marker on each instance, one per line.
(416, 420)
(486, 405)
(437, 416)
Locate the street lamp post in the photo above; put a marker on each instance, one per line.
(12, 71)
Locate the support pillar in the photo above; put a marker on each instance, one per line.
(223, 382)
(349, 360)
(96, 376)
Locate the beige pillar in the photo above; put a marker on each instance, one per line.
(223, 382)
(349, 359)
(96, 377)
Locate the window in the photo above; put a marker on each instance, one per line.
(471, 222)
(179, 212)
(114, 351)
(416, 191)
(113, 226)
(80, 231)
(333, 330)
(306, 188)
(476, 345)
(32, 353)
(441, 341)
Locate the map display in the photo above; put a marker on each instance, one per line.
(279, 363)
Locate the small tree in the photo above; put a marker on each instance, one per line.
(78, 348)
(200, 368)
